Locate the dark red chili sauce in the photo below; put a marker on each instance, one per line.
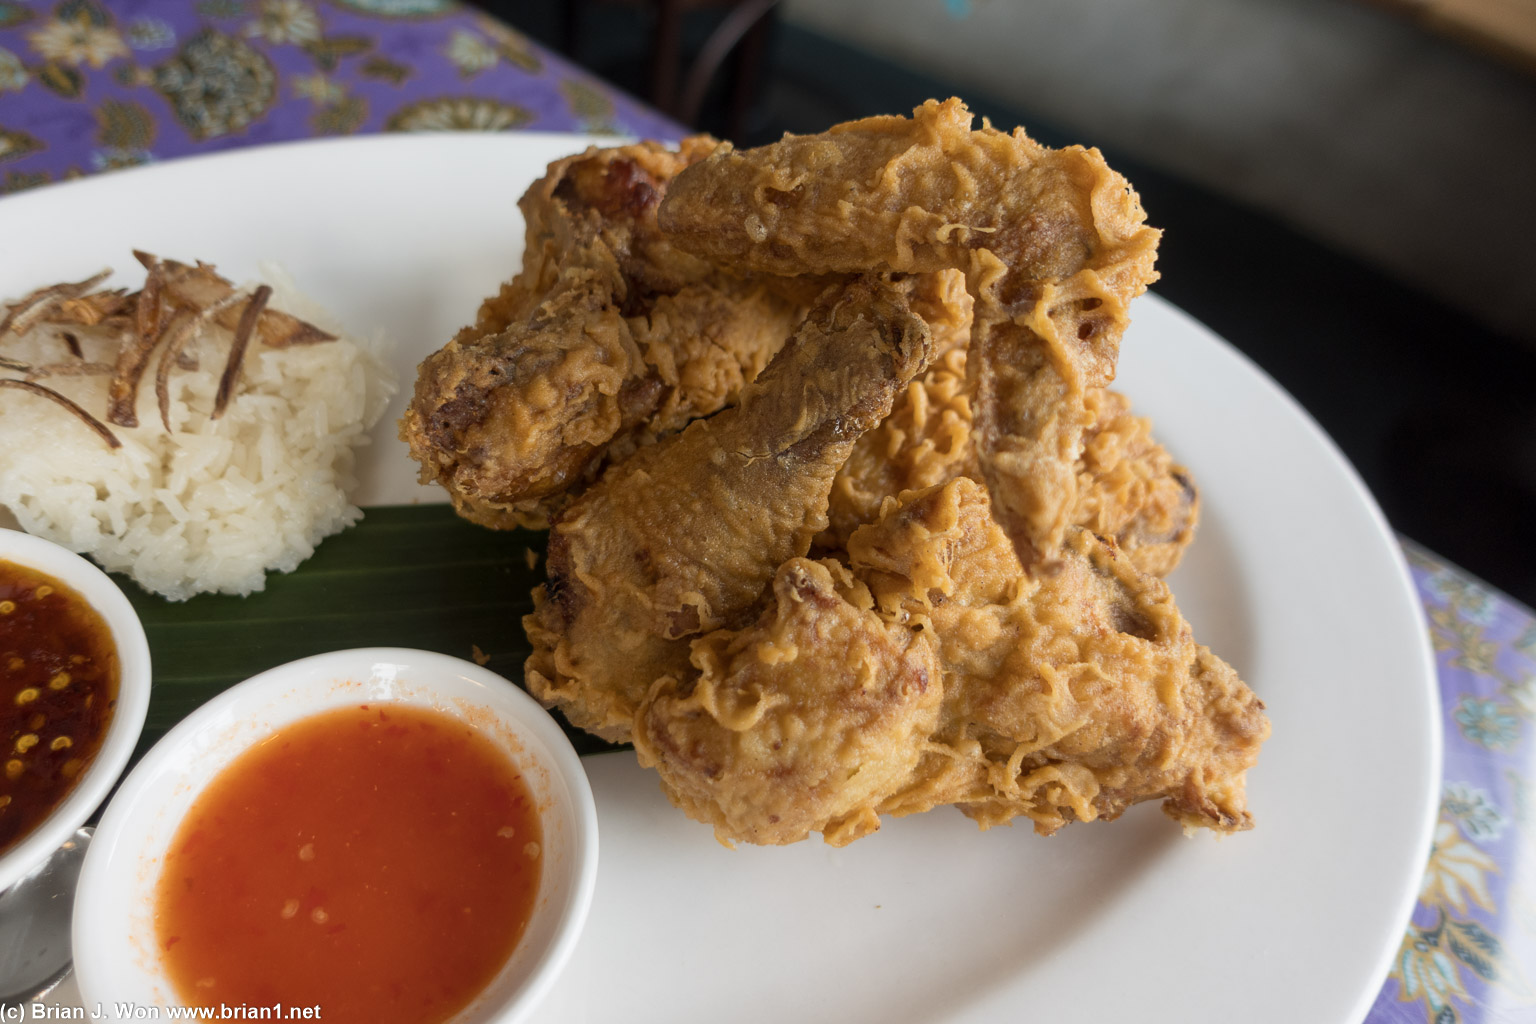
(58, 686)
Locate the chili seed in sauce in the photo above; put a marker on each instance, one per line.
(58, 657)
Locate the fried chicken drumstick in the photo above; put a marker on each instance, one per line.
(609, 338)
(681, 537)
(1052, 242)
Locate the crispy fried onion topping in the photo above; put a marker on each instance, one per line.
(175, 304)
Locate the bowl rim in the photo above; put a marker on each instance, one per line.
(106, 865)
(133, 689)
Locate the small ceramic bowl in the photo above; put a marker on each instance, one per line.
(116, 960)
(127, 717)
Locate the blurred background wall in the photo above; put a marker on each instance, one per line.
(1349, 120)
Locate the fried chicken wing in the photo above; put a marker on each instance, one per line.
(682, 537)
(1052, 242)
(1065, 696)
(609, 338)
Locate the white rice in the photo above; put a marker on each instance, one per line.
(215, 504)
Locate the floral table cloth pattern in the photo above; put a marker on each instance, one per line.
(87, 86)
(1469, 955)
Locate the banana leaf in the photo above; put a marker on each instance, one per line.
(409, 576)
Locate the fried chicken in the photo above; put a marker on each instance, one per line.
(1052, 242)
(1065, 696)
(1128, 487)
(1130, 490)
(1069, 695)
(981, 624)
(682, 537)
(609, 338)
(806, 720)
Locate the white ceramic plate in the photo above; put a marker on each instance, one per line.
(1294, 578)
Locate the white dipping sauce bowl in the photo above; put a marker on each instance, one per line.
(127, 720)
(117, 962)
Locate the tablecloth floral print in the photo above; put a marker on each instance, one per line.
(1470, 952)
(87, 86)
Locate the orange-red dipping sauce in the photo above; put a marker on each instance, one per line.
(58, 686)
(379, 862)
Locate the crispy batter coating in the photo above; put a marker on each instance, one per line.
(1069, 695)
(1130, 490)
(1066, 696)
(609, 338)
(803, 721)
(1052, 242)
(1128, 487)
(681, 537)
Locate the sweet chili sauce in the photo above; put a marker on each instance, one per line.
(379, 862)
(58, 686)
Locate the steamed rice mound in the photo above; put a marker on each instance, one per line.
(215, 504)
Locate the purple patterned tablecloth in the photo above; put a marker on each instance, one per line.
(87, 87)
(1469, 956)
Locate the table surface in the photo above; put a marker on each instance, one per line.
(88, 88)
